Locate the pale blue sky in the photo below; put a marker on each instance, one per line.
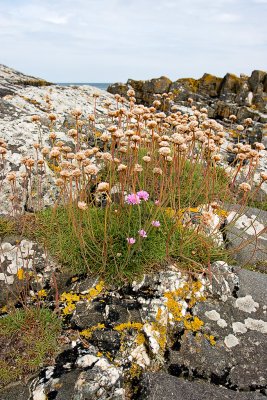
(113, 40)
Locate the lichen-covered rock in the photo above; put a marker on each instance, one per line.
(237, 324)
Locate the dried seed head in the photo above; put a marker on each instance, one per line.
(103, 187)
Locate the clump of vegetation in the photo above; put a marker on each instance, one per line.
(151, 190)
(122, 243)
(7, 227)
(28, 341)
(33, 82)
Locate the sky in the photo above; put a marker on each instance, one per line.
(113, 40)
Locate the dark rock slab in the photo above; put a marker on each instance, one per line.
(160, 386)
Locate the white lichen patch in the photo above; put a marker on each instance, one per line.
(256, 325)
(153, 337)
(213, 315)
(239, 327)
(39, 393)
(140, 356)
(231, 341)
(222, 323)
(246, 304)
(87, 360)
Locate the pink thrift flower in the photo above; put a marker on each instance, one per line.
(143, 195)
(156, 202)
(131, 240)
(133, 199)
(142, 233)
(155, 223)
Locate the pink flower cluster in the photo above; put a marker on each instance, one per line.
(135, 198)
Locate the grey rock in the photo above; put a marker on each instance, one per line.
(88, 314)
(246, 237)
(160, 386)
(252, 283)
(17, 391)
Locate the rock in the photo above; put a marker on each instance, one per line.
(118, 88)
(248, 281)
(210, 85)
(229, 349)
(17, 254)
(88, 314)
(17, 391)
(145, 90)
(257, 77)
(161, 386)
(107, 341)
(16, 113)
(247, 236)
(9, 76)
(230, 84)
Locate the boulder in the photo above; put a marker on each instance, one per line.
(257, 77)
(145, 90)
(118, 88)
(230, 84)
(209, 85)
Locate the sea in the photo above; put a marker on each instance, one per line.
(99, 85)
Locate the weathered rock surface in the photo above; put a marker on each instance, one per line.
(160, 386)
(20, 133)
(246, 234)
(238, 322)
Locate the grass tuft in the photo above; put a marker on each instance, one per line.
(28, 340)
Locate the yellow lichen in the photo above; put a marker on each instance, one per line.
(87, 333)
(42, 293)
(135, 370)
(193, 325)
(140, 338)
(128, 325)
(211, 339)
(68, 309)
(69, 297)
(3, 309)
(221, 213)
(20, 274)
(95, 291)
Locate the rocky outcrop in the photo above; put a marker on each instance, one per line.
(144, 90)
(244, 96)
(10, 77)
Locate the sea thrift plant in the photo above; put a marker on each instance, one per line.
(153, 173)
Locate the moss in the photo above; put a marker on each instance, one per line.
(28, 340)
